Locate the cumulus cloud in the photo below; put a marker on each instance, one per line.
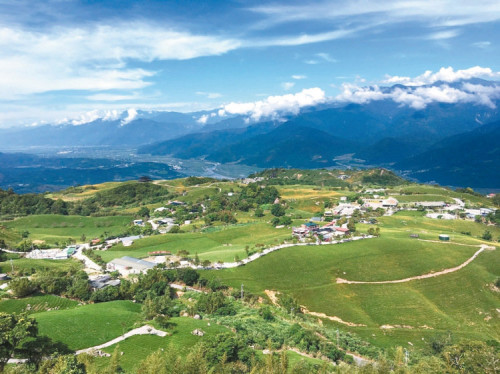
(298, 76)
(418, 92)
(131, 115)
(448, 75)
(203, 119)
(274, 106)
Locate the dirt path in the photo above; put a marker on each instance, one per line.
(425, 276)
(144, 330)
(274, 299)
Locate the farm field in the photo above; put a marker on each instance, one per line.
(36, 304)
(54, 228)
(89, 325)
(218, 243)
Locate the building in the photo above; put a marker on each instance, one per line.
(129, 265)
(103, 281)
(444, 237)
(129, 240)
(138, 222)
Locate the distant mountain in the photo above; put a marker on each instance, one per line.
(469, 159)
(391, 150)
(101, 132)
(202, 144)
(289, 145)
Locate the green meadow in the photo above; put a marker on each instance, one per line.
(53, 228)
(137, 348)
(89, 325)
(462, 302)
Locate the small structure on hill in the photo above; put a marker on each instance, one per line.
(444, 237)
(129, 265)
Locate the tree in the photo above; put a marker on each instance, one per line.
(487, 235)
(14, 328)
(259, 212)
(114, 363)
(143, 212)
(63, 365)
(22, 287)
(277, 210)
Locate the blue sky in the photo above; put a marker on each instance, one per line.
(64, 59)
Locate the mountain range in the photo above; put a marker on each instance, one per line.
(450, 143)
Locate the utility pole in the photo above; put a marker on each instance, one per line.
(242, 291)
(337, 338)
(12, 265)
(407, 356)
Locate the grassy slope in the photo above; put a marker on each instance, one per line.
(51, 228)
(89, 325)
(212, 245)
(137, 348)
(462, 301)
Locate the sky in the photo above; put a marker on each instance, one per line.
(72, 61)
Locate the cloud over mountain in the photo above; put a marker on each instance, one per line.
(427, 88)
(275, 106)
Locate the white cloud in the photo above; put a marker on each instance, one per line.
(326, 57)
(484, 44)
(131, 115)
(447, 75)
(287, 85)
(441, 35)
(209, 95)
(298, 77)
(203, 119)
(434, 13)
(274, 106)
(418, 94)
(94, 58)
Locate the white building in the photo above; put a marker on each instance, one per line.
(129, 265)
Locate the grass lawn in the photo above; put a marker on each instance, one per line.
(137, 348)
(53, 227)
(89, 325)
(219, 243)
(37, 303)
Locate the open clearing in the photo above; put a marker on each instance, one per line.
(89, 325)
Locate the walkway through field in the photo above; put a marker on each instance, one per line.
(144, 330)
(425, 276)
